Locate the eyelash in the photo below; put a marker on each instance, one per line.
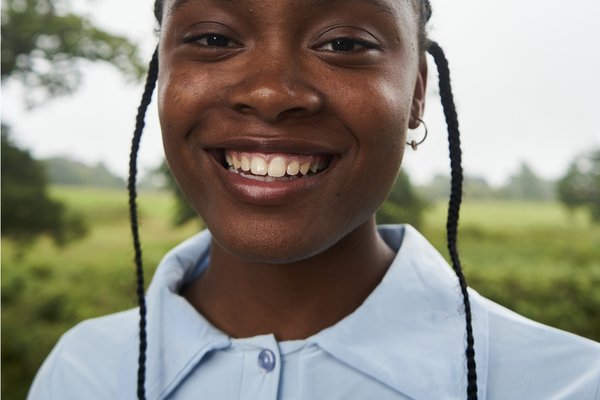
(327, 46)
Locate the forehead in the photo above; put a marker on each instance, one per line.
(389, 7)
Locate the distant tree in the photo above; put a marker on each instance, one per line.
(477, 187)
(44, 42)
(526, 185)
(403, 205)
(580, 187)
(437, 189)
(183, 212)
(27, 210)
(65, 171)
(474, 187)
(43, 45)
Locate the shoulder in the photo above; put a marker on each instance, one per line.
(97, 359)
(527, 359)
(87, 360)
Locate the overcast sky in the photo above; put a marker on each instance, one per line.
(525, 76)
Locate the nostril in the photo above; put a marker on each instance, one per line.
(295, 112)
(243, 108)
(273, 99)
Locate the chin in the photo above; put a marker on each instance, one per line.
(278, 243)
(270, 248)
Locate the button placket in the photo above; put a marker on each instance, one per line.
(262, 368)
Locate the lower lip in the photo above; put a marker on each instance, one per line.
(273, 193)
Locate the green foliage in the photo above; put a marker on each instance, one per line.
(64, 171)
(530, 256)
(523, 185)
(474, 188)
(27, 210)
(526, 185)
(183, 212)
(437, 189)
(43, 42)
(580, 187)
(403, 205)
(49, 290)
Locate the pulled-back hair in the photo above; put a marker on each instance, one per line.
(422, 7)
(423, 10)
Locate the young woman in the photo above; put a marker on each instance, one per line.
(285, 123)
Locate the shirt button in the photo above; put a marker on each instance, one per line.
(266, 360)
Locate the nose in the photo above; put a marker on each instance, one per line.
(273, 92)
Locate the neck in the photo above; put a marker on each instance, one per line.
(291, 301)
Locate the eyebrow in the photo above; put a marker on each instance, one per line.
(380, 5)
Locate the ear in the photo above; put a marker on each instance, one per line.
(418, 103)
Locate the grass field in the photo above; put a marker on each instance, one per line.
(534, 258)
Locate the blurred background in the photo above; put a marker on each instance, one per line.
(525, 81)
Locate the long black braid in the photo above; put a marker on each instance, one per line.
(454, 204)
(131, 186)
(424, 13)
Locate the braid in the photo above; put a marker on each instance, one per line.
(135, 145)
(454, 204)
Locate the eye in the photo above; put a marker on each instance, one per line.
(346, 44)
(210, 40)
(349, 47)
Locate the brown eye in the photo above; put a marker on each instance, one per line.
(210, 40)
(345, 44)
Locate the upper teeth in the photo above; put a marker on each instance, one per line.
(274, 165)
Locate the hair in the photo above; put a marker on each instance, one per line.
(423, 8)
(131, 186)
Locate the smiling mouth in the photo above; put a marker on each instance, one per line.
(271, 167)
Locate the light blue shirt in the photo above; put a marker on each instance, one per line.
(406, 341)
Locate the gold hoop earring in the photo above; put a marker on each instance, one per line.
(413, 143)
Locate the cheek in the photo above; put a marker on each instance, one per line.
(379, 122)
(183, 100)
(177, 97)
(171, 99)
(176, 115)
(375, 110)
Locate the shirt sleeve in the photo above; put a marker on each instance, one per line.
(41, 388)
(531, 360)
(87, 362)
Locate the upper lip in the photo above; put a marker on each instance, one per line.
(273, 145)
(277, 142)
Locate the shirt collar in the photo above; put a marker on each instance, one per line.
(409, 333)
(178, 336)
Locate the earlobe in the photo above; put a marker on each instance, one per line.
(418, 102)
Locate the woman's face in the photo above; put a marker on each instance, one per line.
(254, 93)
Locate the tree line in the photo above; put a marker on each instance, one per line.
(43, 46)
(524, 184)
(28, 211)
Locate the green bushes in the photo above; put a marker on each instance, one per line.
(534, 258)
(47, 290)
